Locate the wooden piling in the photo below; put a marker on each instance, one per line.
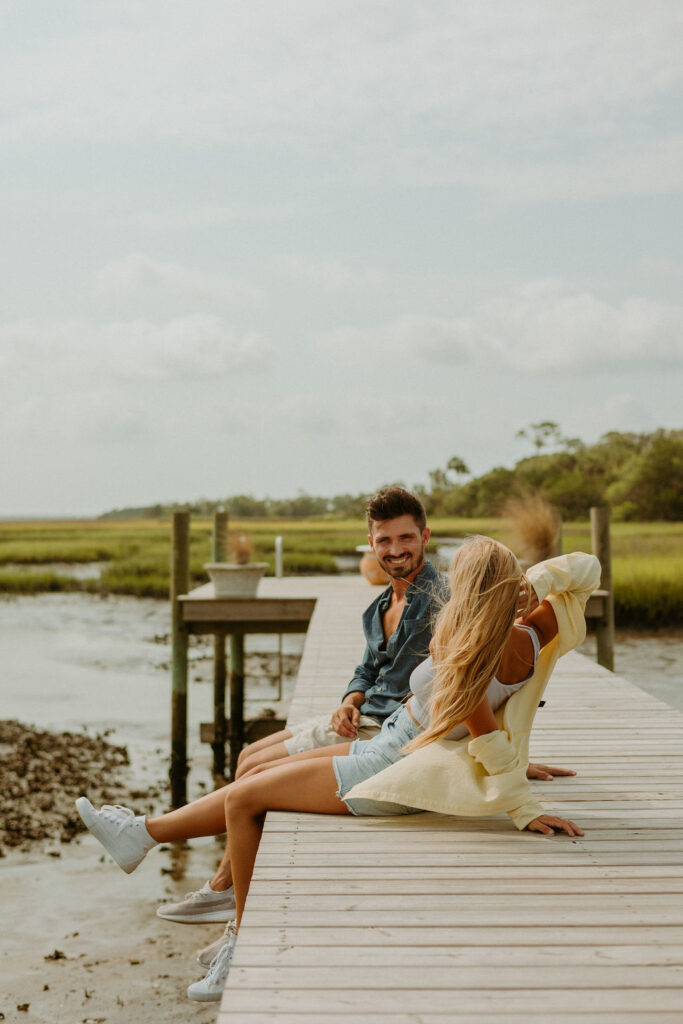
(180, 583)
(236, 699)
(600, 536)
(557, 548)
(219, 553)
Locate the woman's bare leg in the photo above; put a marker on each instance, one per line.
(308, 785)
(222, 880)
(202, 817)
(207, 815)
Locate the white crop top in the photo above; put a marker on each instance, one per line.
(422, 679)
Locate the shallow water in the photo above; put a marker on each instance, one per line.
(75, 660)
(651, 660)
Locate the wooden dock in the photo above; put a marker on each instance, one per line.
(438, 919)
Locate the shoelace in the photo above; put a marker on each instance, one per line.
(199, 894)
(219, 966)
(121, 816)
(193, 897)
(227, 932)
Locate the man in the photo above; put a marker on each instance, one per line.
(398, 628)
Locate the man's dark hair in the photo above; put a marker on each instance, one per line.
(392, 502)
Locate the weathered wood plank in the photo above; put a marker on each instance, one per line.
(449, 976)
(369, 935)
(536, 956)
(266, 893)
(426, 1017)
(460, 1005)
(649, 913)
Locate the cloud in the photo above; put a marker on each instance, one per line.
(194, 217)
(407, 336)
(328, 274)
(184, 348)
(306, 414)
(528, 98)
(138, 273)
(543, 326)
(590, 419)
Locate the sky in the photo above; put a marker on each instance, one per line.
(264, 248)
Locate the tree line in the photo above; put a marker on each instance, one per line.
(640, 476)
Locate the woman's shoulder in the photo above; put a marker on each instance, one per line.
(519, 656)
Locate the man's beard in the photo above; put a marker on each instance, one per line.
(399, 572)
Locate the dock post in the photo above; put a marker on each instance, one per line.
(278, 574)
(219, 553)
(236, 699)
(600, 536)
(180, 582)
(557, 548)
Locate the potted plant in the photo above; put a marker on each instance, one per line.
(240, 577)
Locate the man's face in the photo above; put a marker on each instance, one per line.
(399, 545)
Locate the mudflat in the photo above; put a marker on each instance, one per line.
(82, 943)
(86, 685)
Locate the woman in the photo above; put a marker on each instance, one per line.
(480, 657)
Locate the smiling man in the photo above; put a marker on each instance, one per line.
(397, 627)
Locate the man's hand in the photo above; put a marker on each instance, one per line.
(548, 825)
(545, 772)
(345, 720)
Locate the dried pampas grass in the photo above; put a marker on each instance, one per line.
(536, 525)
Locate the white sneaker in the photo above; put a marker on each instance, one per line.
(211, 987)
(121, 833)
(206, 955)
(201, 907)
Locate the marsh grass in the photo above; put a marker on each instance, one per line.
(647, 557)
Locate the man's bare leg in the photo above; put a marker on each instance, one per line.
(275, 738)
(254, 758)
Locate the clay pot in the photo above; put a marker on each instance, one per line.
(370, 567)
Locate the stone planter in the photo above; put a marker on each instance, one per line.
(232, 580)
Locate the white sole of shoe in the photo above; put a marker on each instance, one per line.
(205, 997)
(90, 820)
(207, 917)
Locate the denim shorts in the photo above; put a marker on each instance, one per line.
(368, 757)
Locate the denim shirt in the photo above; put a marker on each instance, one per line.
(384, 673)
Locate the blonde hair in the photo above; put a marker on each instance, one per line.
(470, 633)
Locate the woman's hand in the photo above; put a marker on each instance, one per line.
(548, 825)
(545, 772)
(527, 602)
